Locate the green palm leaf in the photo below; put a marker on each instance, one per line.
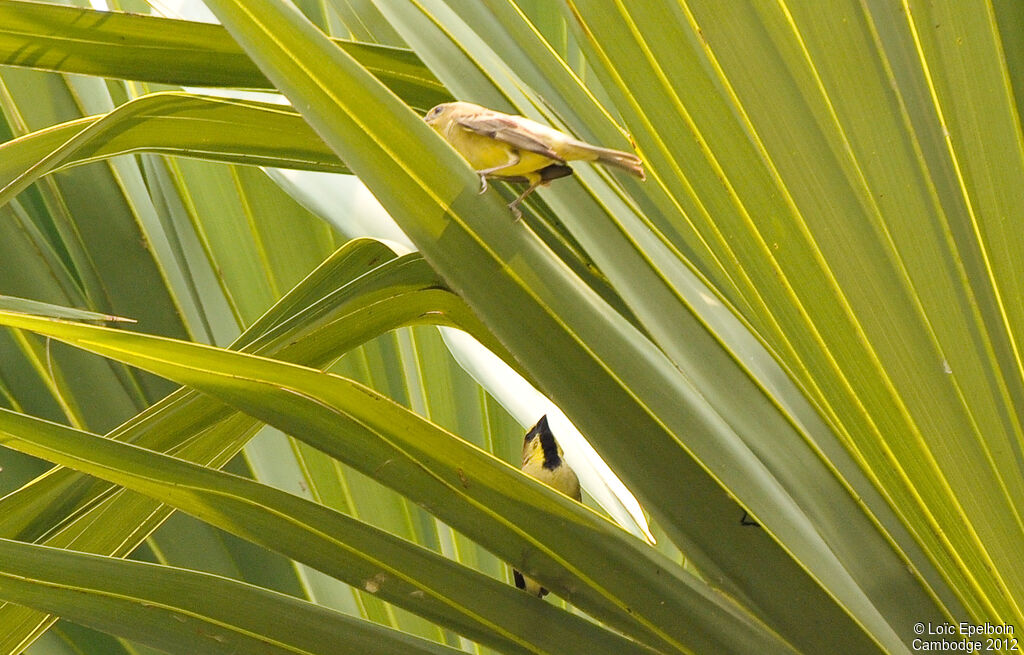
(807, 312)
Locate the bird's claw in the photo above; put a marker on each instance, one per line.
(516, 213)
(483, 184)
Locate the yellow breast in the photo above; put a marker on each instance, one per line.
(483, 152)
(562, 478)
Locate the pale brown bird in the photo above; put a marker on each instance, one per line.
(543, 460)
(517, 149)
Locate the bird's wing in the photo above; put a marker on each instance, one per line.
(508, 131)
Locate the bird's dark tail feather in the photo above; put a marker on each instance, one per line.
(627, 161)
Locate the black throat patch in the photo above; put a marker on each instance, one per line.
(550, 447)
(547, 443)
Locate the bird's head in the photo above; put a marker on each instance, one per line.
(437, 113)
(540, 443)
(441, 115)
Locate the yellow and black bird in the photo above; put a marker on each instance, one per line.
(543, 460)
(517, 149)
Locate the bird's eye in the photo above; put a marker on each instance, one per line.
(436, 111)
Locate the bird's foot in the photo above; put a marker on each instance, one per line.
(516, 213)
(514, 206)
(483, 184)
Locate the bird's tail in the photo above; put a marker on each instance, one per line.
(627, 161)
